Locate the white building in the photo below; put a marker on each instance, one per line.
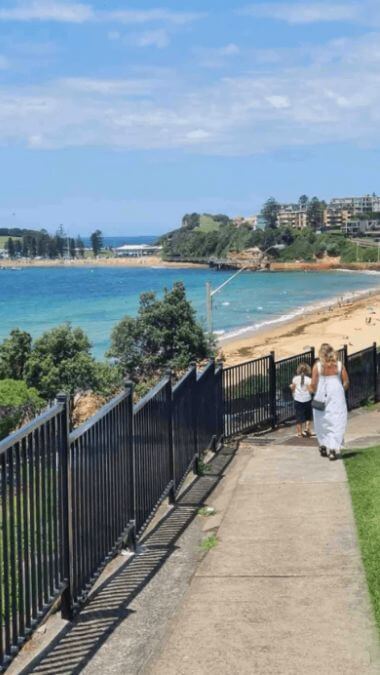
(137, 250)
(356, 205)
(370, 228)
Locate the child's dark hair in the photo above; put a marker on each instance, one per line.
(303, 370)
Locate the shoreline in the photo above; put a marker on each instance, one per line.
(146, 262)
(156, 262)
(338, 320)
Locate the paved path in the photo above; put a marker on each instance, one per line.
(284, 590)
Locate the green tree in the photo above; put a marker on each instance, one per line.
(315, 212)
(303, 201)
(164, 334)
(14, 354)
(270, 212)
(80, 247)
(96, 242)
(18, 247)
(72, 248)
(10, 246)
(18, 403)
(60, 360)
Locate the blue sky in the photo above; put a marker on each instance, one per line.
(125, 116)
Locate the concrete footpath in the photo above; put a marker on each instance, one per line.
(284, 590)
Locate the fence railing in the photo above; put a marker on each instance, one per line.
(248, 395)
(33, 562)
(71, 499)
(285, 371)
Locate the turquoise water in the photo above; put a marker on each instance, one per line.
(95, 299)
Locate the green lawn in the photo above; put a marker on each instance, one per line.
(363, 470)
(208, 224)
(3, 240)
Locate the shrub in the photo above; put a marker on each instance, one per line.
(17, 404)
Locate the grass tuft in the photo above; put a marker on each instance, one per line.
(209, 542)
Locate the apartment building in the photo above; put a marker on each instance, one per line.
(356, 205)
(369, 228)
(292, 215)
(336, 217)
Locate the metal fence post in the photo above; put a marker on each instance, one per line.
(171, 448)
(375, 370)
(220, 406)
(345, 356)
(272, 389)
(194, 397)
(66, 508)
(312, 350)
(131, 488)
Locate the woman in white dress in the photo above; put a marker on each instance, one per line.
(329, 383)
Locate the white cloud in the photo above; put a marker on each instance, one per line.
(154, 38)
(48, 10)
(332, 96)
(216, 57)
(305, 12)
(151, 15)
(67, 12)
(279, 102)
(127, 87)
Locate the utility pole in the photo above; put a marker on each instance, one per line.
(210, 294)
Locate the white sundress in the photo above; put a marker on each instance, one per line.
(330, 424)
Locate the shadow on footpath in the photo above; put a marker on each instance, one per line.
(107, 607)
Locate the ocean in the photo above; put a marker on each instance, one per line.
(37, 299)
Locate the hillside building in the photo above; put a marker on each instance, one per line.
(357, 205)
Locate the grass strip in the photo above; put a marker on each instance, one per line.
(363, 471)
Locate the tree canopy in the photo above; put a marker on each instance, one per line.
(165, 333)
(270, 212)
(18, 403)
(96, 242)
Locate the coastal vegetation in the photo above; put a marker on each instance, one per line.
(26, 243)
(18, 403)
(204, 237)
(197, 239)
(164, 334)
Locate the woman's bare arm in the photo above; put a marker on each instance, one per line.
(345, 379)
(314, 380)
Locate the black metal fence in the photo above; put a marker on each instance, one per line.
(70, 500)
(248, 395)
(33, 542)
(257, 393)
(154, 459)
(100, 471)
(285, 371)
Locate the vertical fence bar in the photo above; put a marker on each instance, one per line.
(272, 389)
(169, 413)
(374, 372)
(66, 507)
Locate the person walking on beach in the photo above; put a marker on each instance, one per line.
(302, 399)
(329, 383)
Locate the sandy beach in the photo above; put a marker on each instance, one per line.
(146, 261)
(355, 322)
